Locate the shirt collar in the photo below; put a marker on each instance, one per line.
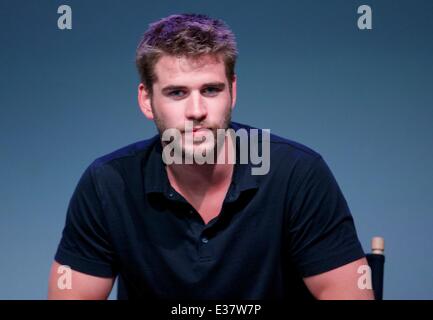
(156, 179)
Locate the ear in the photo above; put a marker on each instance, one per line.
(144, 101)
(234, 91)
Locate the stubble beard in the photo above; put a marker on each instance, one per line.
(197, 147)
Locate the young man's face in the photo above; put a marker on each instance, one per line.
(190, 89)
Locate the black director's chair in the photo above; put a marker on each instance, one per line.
(376, 261)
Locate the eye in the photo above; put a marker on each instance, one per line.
(176, 93)
(211, 91)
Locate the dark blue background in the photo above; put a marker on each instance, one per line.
(363, 99)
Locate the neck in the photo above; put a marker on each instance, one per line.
(200, 179)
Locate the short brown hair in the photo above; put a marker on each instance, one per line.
(189, 35)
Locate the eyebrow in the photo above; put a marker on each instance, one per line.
(218, 85)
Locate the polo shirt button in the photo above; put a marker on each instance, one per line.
(191, 212)
(170, 195)
(204, 240)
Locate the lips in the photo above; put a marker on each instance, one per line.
(198, 129)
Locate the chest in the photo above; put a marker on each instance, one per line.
(209, 206)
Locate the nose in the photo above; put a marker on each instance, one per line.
(196, 108)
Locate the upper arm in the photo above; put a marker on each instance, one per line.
(323, 242)
(77, 285)
(321, 229)
(86, 244)
(340, 283)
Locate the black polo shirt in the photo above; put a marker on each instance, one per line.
(125, 219)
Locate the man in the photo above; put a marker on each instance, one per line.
(208, 230)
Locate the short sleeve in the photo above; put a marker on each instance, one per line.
(322, 233)
(85, 245)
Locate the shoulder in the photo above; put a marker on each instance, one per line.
(122, 158)
(129, 151)
(285, 153)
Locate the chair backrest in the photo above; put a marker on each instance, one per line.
(376, 261)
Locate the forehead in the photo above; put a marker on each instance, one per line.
(184, 70)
